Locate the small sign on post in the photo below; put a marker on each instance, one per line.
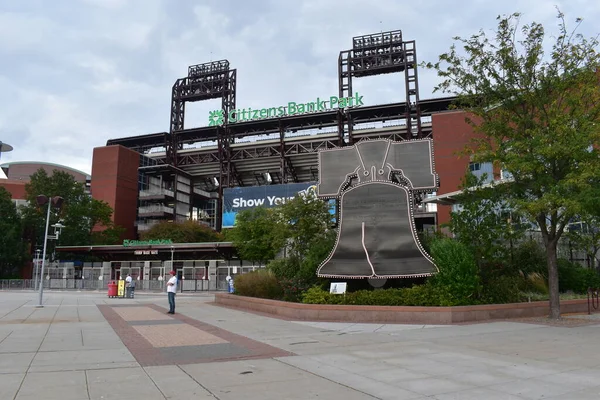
(338, 287)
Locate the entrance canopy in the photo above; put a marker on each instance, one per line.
(163, 252)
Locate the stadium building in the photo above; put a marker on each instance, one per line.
(247, 157)
(201, 173)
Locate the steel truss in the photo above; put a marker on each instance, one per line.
(204, 82)
(375, 54)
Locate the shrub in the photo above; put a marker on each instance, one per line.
(502, 289)
(528, 257)
(574, 277)
(457, 281)
(293, 288)
(537, 283)
(260, 283)
(421, 295)
(316, 295)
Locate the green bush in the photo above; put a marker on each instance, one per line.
(535, 282)
(528, 257)
(260, 283)
(457, 282)
(502, 289)
(316, 295)
(294, 288)
(421, 295)
(574, 277)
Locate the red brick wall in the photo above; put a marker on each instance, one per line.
(450, 136)
(15, 188)
(115, 181)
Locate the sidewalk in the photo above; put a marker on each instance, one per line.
(86, 346)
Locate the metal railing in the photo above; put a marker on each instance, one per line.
(187, 285)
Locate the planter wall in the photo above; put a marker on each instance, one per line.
(396, 314)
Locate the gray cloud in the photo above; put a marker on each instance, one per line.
(74, 74)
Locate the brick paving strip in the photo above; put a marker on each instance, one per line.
(156, 338)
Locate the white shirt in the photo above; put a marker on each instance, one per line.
(172, 288)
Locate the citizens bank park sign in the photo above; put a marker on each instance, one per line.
(268, 196)
(217, 117)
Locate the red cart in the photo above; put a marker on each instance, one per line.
(112, 289)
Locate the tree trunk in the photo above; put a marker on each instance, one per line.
(551, 260)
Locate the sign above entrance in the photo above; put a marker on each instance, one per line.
(145, 252)
(217, 117)
(129, 243)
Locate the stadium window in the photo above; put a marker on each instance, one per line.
(474, 166)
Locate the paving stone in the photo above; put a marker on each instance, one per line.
(53, 386)
(9, 385)
(176, 384)
(123, 383)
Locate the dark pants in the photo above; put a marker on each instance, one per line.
(171, 302)
(128, 292)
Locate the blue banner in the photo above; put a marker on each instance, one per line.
(243, 198)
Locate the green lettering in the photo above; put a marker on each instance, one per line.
(333, 100)
(301, 108)
(359, 100)
(321, 104)
(280, 111)
(292, 108)
(264, 112)
(350, 101)
(244, 115)
(343, 102)
(232, 116)
(272, 112)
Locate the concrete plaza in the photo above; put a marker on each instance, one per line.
(86, 346)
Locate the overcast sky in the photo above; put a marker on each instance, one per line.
(75, 73)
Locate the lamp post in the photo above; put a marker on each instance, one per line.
(56, 202)
(37, 268)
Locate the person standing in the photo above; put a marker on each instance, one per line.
(171, 290)
(128, 281)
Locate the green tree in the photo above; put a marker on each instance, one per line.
(182, 232)
(81, 214)
(538, 116)
(485, 223)
(258, 234)
(307, 222)
(300, 229)
(12, 251)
